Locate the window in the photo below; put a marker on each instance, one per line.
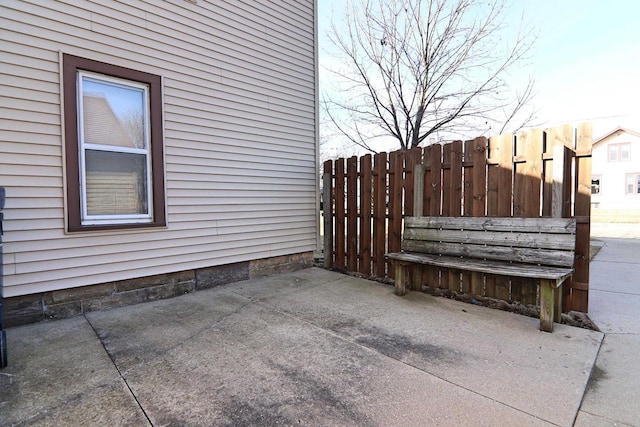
(633, 183)
(596, 185)
(114, 146)
(619, 152)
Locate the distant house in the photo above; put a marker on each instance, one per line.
(150, 149)
(615, 181)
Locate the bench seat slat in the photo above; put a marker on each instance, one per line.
(485, 266)
(503, 253)
(499, 238)
(542, 225)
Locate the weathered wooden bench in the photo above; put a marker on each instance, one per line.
(537, 248)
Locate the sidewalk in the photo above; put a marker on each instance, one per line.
(306, 348)
(613, 396)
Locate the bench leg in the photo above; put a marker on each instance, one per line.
(400, 279)
(547, 304)
(558, 304)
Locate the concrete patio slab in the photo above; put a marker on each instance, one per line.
(306, 348)
(60, 374)
(613, 394)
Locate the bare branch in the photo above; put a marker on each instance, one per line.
(412, 68)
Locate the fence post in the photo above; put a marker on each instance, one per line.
(327, 211)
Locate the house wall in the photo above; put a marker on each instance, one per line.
(613, 173)
(239, 89)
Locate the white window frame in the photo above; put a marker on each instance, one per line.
(617, 148)
(599, 178)
(86, 218)
(636, 184)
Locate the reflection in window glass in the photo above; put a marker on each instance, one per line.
(113, 114)
(619, 152)
(116, 183)
(625, 150)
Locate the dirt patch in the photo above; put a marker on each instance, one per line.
(597, 374)
(572, 318)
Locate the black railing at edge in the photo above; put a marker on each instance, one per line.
(3, 334)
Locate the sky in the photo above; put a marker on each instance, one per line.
(586, 62)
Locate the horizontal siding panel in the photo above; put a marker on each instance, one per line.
(235, 217)
(15, 214)
(32, 54)
(237, 208)
(30, 94)
(15, 56)
(268, 194)
(237, 118)
(50, 240)
(71, 35)
(43, 171)
(252, 60)
(211, 101)
(254, 151)
(31, 160)
(33, 224)
(18, 115)
(137, 250)
(47, 129)
(40, 192)
(29, 149)
(222, 181)
(15, 202)
(230, 141)
(41, 282)
(32, 141)
(243, 27)
(26, 82)
(33, 106)
(19, 70)
(236, 128)
(145, 255)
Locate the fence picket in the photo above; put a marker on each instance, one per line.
(340, 215)
(352, 214)
(364, 266)
(379, 214)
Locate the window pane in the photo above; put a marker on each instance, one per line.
(630, 179)
(613, 153)
(113, 114)
(595, 186)
(116, 183)
(638, 184)
(625, 152)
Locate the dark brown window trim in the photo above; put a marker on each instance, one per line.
(73, 64)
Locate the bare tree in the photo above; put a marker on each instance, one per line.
(412, 68)
(133, 123)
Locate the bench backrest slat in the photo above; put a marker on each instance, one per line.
(543, 241)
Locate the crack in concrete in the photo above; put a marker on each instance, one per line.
(115, 365)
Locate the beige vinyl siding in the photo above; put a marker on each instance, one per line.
(239, 127)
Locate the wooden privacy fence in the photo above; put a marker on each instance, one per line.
(532, 174)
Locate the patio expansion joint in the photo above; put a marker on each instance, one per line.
(118, 370)
(371, 349)
(584, 391)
